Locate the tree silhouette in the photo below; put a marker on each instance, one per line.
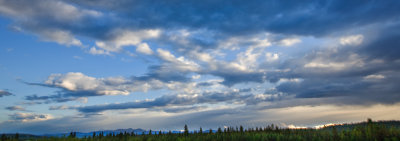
(219, 130)
(3, 137)
(186, 132)
(16, 136)
(201, 130)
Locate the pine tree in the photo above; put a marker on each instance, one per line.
(219, 130)
(3, 137)
(201, 130)
(16, 136)
(186, 133)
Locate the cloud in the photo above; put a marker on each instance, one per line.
(180, 64)
(166, 101)
(76, 86)
(374, 76)
(15, 108)
(271, 56)
(234, 18)
(29, 117)
(59, 107)
(95, 51)
(289, 41)
(5, 93)
(352, 40)
(120, 38)
(60, 37)
(144, 48)
(44, 18)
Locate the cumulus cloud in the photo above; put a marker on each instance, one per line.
(40, 17)
(177, 63)
(76, 86)
(79, 82)
(144, 48)
(29, 117)
(289, 41)
(123, 38)
(352, 40)
(271, 56)
(95, 51)
(166, 101)
(193, 39)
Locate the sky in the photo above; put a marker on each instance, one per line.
(73, 65)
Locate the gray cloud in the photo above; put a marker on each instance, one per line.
(5, 93)
(166, 101)
(234, 17)
(183, 109)
(26, 117)
(15, 108)
(363, 74)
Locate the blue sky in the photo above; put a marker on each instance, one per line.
(92, 65)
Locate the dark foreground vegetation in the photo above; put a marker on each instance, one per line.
(364, 131)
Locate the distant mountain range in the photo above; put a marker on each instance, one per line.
(105, 132)
(140, 131)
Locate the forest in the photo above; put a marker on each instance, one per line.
(363, 131)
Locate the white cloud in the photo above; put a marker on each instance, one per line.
(144, 48)
(205, 57)
(125, 38)
(179, 63)
(28, 117)
(75, 81)
(289, 41)
(95, 51)
(322, 62)
(61, 37)
(55, 10)
(271, 56)
(352, 40)
(196, 76)
(374, 76)
(82, 86)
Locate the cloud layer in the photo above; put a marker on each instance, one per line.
(199, 57)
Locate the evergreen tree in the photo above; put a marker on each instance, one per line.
(241, 129)
(16, 136)
(201, 130)
(219, 130)
(186, 130)
(3, 137)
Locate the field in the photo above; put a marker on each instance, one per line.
(364, 131)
